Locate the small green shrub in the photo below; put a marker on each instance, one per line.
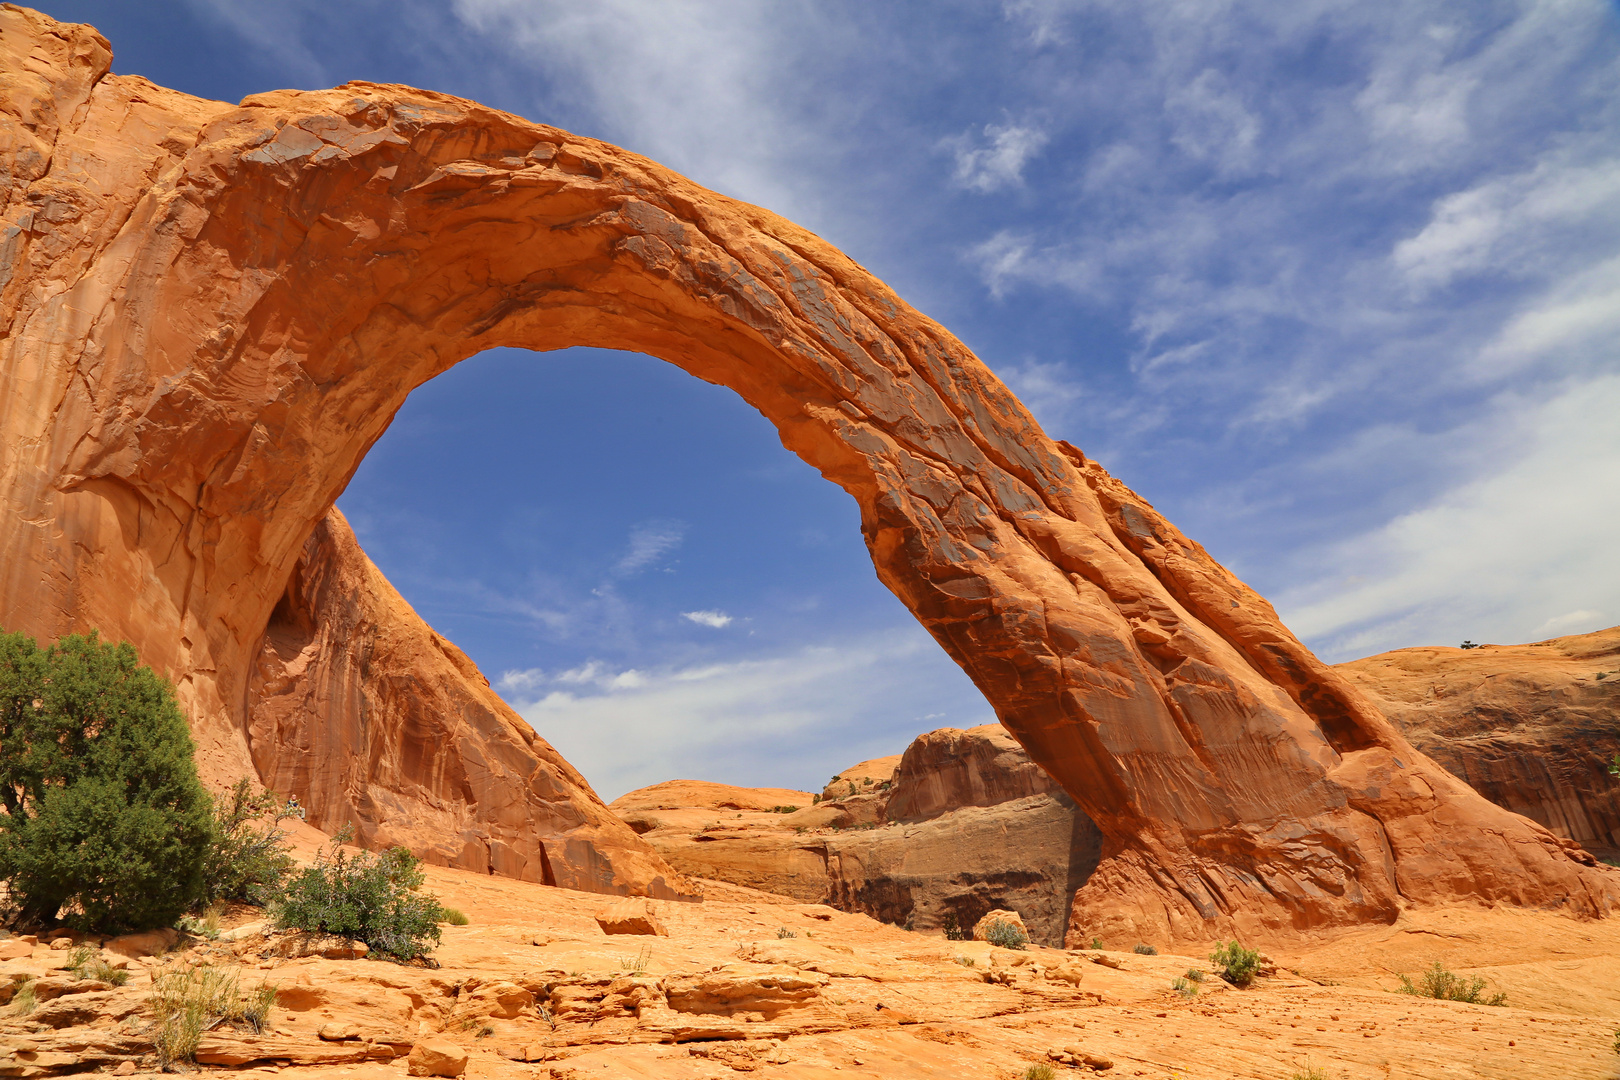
(1145, 950)
(1437, 982)
(205, 925)
(954, 930)
(103, 821)
(1236, 964)
(1194, 975)
(1184, 988)
(1006, 935)
(1096, 943)
(784, 809)
(784, 932)
(1041, 1071)
(453, 916)
(369, 897)
(247, 858)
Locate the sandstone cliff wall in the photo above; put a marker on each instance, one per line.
(211, 312)
(1531, 727)
(372, 719)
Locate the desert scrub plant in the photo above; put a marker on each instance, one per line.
(1183, 987)
(85, 962)
(205, 925)
(1041, 1071)
(368, 897)
(1310, 1072)
(453, 916)
(1236, 964)
(969, 962)
(1437, 982)
(954, 930)
(1194, 975)
(256, 1006)
(26, 999)
(247, 857)
(1006, 935)
(1145, 950)
(636, 965)
(185, 1004)
(784, 932)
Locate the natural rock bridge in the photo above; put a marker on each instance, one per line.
(210, 313)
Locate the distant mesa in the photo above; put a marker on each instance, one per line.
(213, 311)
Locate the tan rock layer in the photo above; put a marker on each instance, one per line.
(210, 313)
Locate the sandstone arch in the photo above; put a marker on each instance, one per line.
(211, 312)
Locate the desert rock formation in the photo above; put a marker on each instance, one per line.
(963, 822)
(212, 311)
(1531, 727)
(356, 706)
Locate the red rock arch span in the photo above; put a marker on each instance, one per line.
(212, 312)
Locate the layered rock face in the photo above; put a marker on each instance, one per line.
(1533, 728)
(980, 826)
(211, 312)
(371, 718)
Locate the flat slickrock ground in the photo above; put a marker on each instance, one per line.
(851, 997)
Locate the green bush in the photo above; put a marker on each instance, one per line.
(1437, 982)
(1145, 950)
(784, 932)
(103, 822)
(1006, 935)
(369, 897)
(247, 859)
(1184, 988)
(1236, 964)
(954, 930)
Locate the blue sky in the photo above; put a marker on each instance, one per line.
(1336, 286)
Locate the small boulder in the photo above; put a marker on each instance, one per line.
(998, 915)
(338, 1031)
(125, 1068)
(15, 949)
(631, 917)
(436, 1057)
(149, 943)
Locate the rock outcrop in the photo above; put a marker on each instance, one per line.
(210, 312)
(357, 707)
(980, 826)
(1532, 728)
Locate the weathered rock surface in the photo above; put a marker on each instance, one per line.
(986, 828)
(211, 312)
(370, 717)
(849, 996)
(1533, 728)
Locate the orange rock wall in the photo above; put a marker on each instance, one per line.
(1533, 728)
(371, 718)
(210, 313)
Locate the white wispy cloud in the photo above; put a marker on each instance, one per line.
(649, 542)
(786, 719)
(998, 161)
(1521, 549)
(716, 619)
